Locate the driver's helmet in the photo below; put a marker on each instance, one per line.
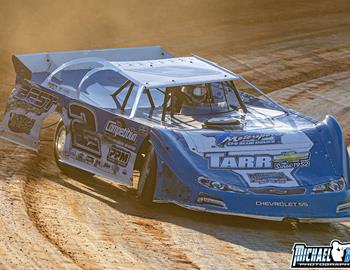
(194, 94)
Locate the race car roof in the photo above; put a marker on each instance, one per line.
(173, 72)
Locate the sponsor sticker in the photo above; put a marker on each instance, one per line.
(118, 156)
(268, 178)
(41, 100)
(291, 160)
(237, 139)
(20, 123)
(116, 128)
(93, 161)
(222, 160)
(335, 255)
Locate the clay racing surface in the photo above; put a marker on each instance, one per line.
(299, 50)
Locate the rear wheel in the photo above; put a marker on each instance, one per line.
(148, 174)
(60, 139)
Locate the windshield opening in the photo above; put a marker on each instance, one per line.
(203, 99)
(193, 100)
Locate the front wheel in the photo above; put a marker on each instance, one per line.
(148, 174)
(60, 140)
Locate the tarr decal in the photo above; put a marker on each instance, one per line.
(226, 161)
(222, 160)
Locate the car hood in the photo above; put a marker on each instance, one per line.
(278, 156)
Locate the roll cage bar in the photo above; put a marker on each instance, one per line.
(168, 96)
(126, 99)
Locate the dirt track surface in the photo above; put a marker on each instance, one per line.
(298, 51)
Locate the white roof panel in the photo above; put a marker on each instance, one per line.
(173, 71)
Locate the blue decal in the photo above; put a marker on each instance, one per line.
(347, 255)
(237, 139)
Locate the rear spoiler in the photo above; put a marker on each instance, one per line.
(28, 64)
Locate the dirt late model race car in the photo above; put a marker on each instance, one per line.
(200, 136)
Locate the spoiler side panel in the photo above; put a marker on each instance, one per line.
(26, 109)
(27, 64)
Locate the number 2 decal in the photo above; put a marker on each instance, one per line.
(84, 129)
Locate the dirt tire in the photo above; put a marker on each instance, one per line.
(148, 174)
(60, 136)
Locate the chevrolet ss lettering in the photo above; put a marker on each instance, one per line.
(180, 130)
(282, 204)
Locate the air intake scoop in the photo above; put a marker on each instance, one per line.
(223, 123)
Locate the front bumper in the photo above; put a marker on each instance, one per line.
(308, 207)
(176, 183)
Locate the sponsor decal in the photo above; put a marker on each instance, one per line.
(41, 100)
(116, 128)
(20, 123)
(237, 139)
(58, 88)
(335, 255)
(291, 160)
(118, 156)
(53, 86)
(219, 160)
(268, 178)
(222, 160)
(93, 161)
(281, 204)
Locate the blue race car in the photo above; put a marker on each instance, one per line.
(200, 136)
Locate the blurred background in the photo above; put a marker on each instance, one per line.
(204, 27)
(274, 43)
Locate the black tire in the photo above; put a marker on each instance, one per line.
(148, 174)
(58, 144)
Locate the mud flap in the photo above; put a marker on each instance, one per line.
(27, 107)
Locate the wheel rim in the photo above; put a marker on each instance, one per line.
(60, 141)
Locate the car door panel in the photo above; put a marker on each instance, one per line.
(101, 142)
